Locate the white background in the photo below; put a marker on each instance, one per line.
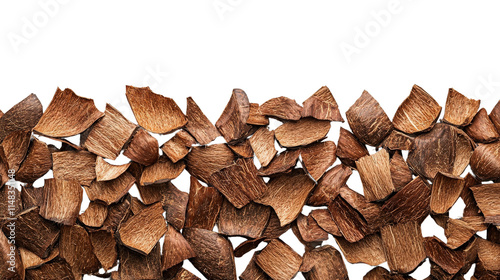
(204, 49)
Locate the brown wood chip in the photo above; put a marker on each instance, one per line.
(485, 161)
(274, 229)
(14, 149)
(249, 221)
(375, 173)
(482, 130)
(309, 229)
(488, 200)
(162, 171)
(178, 146)
(471, 208)
(446, 189)
(325, 221)
(287, 194)
(202, 162)
(495, 116)
(94, 215)
(243, 149)
(397, 140)
(239, 182)
(351, 223)
(368, 121)
(324, 263)
(329, 185)
(214, 254)
(106, 171)
(418, 112)
(255, 116)
(58, 269)
(104, 245)
(322, 106)
(318, 157)
(154, 112)
(403, 246)
(459, 110)
(37, 163)
(262, 142)
(74, 165)
(302, 132)
(400, 172)
(349, 149)
(76, 248)
(282, 108)
(174, 203)
(110, 191)
(445, 148)
(488, 254)
(68, 114)
(61, 201)
(136, 266)
(449, 260)
(175, 249)
(368, 250)
(232, 123)
(282, 163)
(409, 203)
(142, 231)
(31, 260)
(458, 232)
(30, 221)
(278, 260)
(198, 124)
(253, 271)
(108, 135)
(206, 200)
(247, 246)
(143, 148)
(21, 117)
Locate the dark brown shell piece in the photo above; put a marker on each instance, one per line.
(239, 182)
(262, 142)
(108, 135)
(206, 200)
(21, 117)
(202, 162)
(214, 254)
(282, 108)
(368, 121)
(232, 123)
(318, 157)
(459, 110)
(61, 201)
(375, 173)
(349, 149)
(143, 148)
(324, 263)
(142, 231)
(485, 161)
(368, 250)
(322, 106)
(329, 185)
(488, 200)
(287, 194)
(482, 129)
(278, 260)
(198, 124)
(68, 114)
(444, 149)
(249, 221)
(302, 132)
(154, 112)
(446, 189)
(403, 246)
(418, 112)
